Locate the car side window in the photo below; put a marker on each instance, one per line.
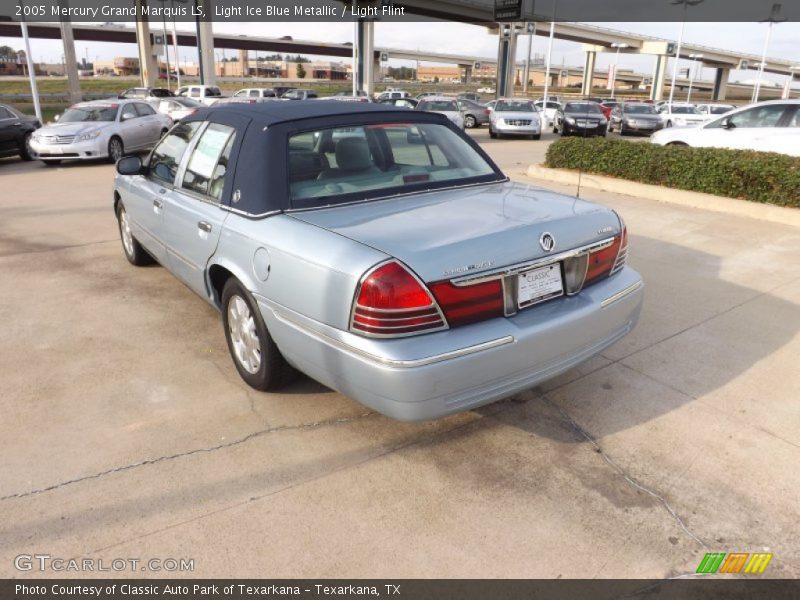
(144, 110)
(759, 116)
(168, 153)
(795, 120)
(6, 114)
(254, 93)
(205, 172)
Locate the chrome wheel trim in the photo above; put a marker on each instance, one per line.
(125, 230)
(244, 337)
(115, 149)
(470, 122)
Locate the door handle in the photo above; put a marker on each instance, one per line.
(158, 204)
(203, 226)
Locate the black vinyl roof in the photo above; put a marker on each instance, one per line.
(277, 111)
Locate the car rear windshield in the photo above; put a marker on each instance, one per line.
(721, 110)
(213, 91)
(582, 108)
(513, 106)
(438, 105)
(640, 109)
(346, 164)
(76, 114)
(160, 93)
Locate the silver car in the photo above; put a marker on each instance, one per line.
(100, 129)
(515, 117)
(443, 105)
(378, 250)
(178, 108)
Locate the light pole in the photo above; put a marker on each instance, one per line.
(686, 4)
(618, 46)
(789, 83)
(773, 18)
(549, 54)
(695, 58)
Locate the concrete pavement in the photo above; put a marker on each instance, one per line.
(127, 432)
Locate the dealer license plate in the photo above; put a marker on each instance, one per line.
(538, 285)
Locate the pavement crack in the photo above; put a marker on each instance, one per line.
(152, 461)
(617, 467)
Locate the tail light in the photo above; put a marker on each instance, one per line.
(391, 301)
(469, 303)
(608, 260)
(487, 111)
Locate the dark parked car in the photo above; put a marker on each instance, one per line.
(582, 118)
(15, 133)
(400, 102)
(635, 117)
(475, 114)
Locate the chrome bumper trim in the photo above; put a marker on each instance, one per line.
(621, 294)
(389, 362)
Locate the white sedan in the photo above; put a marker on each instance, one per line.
(680, 115)
(772, 126)
(100, 129)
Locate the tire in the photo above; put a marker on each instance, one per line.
(470, 122)
(252, 349)
(133, 250)
(685, 145)
(536, 137)
(52, 163)
(116, 149)
(26, 152)
(492, 133)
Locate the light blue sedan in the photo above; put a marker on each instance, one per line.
(379, 251)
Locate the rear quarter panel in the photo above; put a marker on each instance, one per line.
(311, 271)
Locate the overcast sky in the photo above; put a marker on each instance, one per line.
(457, 38)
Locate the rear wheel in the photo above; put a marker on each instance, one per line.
(677, 144)
(254, 353)
(115, 149)
(134, 252)
(470, 122)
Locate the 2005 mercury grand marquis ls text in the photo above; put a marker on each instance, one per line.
(378, 250)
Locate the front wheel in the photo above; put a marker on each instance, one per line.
(115, 149)
(537, 137)
(26, 152)
(254, 353)
(492, 133)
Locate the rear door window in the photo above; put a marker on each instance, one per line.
(206, 169)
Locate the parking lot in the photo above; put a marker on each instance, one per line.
(127, 432)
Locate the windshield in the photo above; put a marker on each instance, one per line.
(76, 114)
(583, 108)
(338, 165)
(438, 105)
(639, 109)
(513, 106)
(685, 110)
(160, 93)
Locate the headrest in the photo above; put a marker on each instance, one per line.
(352, 154)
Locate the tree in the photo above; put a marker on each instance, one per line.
(301, 71)
(8, 52)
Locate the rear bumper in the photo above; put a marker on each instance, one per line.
(433, 375)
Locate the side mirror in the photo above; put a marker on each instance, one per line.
(728, 124)
(130, 165)
(127, 116)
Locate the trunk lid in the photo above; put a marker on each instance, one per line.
(451, 233)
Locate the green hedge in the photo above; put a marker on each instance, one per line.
(757, 176)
